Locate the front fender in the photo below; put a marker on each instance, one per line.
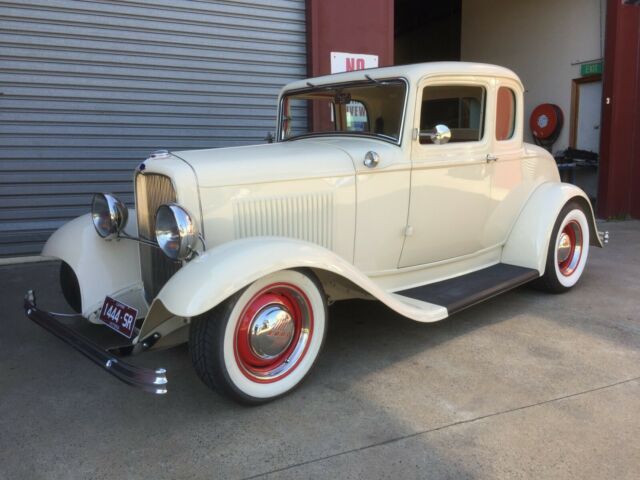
(220, 272)
(528, 241)
(103, 267)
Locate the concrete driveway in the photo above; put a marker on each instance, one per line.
(527, 385)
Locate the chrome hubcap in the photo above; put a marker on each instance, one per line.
(564, 247)
(569, 248)
(271, 331)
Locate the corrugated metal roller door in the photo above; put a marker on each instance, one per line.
(89, 88)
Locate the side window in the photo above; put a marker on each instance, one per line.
(460, 108)
(505, 114)
(357, 117)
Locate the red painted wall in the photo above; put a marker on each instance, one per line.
(353, 26)
(619, 185)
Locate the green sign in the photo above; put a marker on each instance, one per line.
(587, 69)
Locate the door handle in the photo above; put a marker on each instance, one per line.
(491, 158)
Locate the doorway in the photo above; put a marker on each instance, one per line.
(427, 31)
(585, 123)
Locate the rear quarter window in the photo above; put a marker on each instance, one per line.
(505, 114)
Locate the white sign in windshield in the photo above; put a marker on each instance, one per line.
(346, 62)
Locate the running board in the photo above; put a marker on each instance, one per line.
(464, 291)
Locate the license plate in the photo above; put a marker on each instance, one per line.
(118, 316)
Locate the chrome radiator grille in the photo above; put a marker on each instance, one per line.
(152, 190)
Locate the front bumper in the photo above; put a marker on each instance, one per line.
(149, 380)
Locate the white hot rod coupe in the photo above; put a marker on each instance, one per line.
(409, 185)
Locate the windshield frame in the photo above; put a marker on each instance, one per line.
(377, 136)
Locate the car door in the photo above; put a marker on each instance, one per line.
(450, 183)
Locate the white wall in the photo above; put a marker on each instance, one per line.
(543, 41)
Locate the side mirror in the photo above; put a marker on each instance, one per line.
(440, 135)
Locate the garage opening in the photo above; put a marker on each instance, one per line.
(427, 31)
(559, 62)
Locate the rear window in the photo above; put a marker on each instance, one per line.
(505, 114)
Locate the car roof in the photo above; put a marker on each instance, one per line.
(413, 73)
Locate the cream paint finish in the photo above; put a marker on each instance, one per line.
(274, 162)
(103, 267)
(515, 174)
(382, 202)
(304, 209)
(301, 189)
(220, 272)
(311, 203)
(529, 241)
(450, 189)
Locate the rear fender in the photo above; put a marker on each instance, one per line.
(528, 241)
(218, 273)
(103, 267)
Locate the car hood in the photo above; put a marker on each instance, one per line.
(284, 161)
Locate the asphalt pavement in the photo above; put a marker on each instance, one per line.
(526, 385)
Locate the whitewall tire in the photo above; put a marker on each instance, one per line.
(568, 250)
(262, 342)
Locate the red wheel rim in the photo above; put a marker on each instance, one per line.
(569, 248)
(273, 333)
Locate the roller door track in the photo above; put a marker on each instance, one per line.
(90, 88)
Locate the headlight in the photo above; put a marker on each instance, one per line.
(176, 232)
(109, 215)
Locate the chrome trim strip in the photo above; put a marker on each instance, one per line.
(147, 379)
(195, 175)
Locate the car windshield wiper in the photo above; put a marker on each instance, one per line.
(376, 81)
(340, 133)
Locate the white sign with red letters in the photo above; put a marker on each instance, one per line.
(347, 62)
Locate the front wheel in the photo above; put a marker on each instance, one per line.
(568, 250)
(261, 342)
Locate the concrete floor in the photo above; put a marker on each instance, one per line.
(526, 385)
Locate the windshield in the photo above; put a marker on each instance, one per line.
(373, 108)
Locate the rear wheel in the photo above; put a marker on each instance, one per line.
(261, 342)
(568, 250)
